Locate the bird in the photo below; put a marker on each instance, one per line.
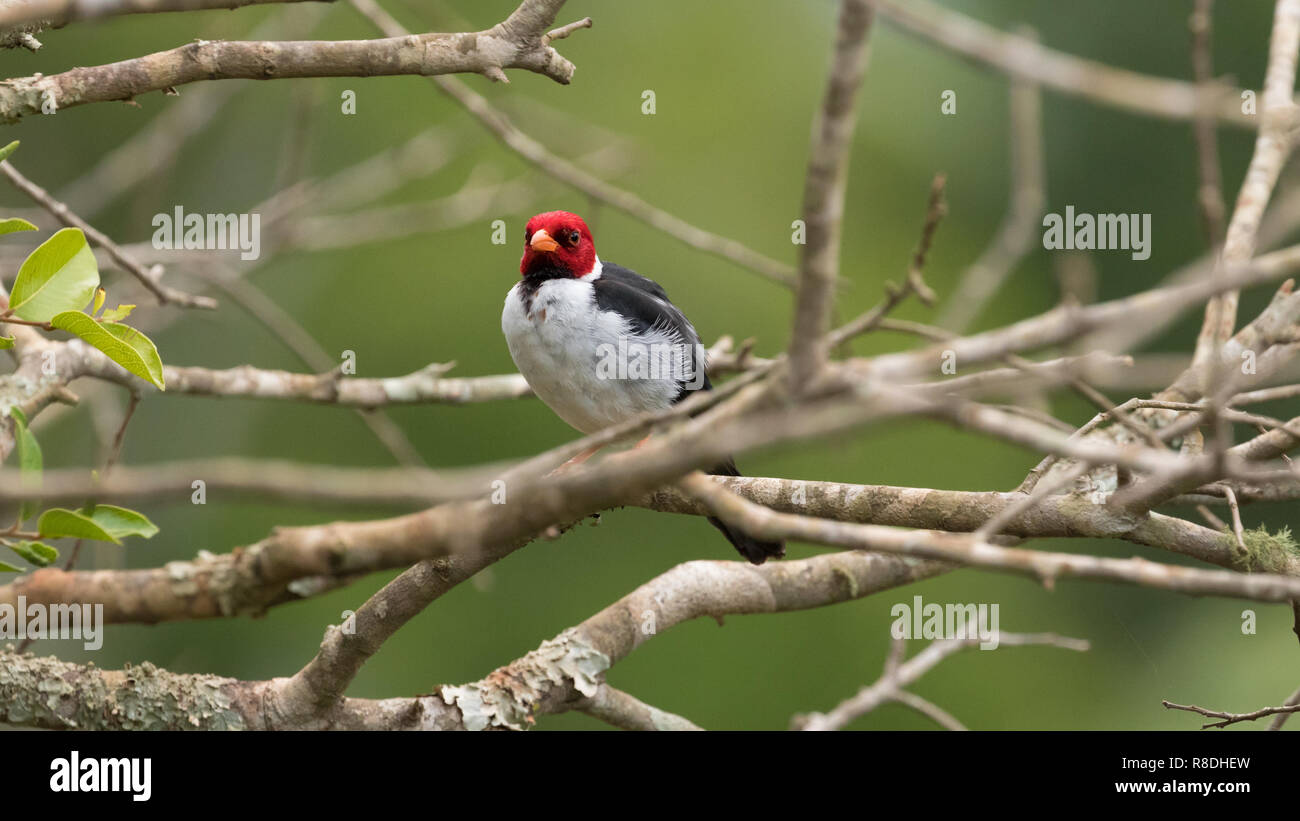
(600, 344)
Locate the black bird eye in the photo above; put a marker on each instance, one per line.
(574, 236)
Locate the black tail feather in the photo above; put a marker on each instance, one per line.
(755, 550)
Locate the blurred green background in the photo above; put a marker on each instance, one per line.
(736, 85)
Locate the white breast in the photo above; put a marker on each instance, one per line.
(561, 344)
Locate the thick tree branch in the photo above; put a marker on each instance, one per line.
(763, 523)
(561, 674)
(305, 562)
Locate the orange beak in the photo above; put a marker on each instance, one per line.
(542, 241)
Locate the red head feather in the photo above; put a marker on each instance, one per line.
(560, 240)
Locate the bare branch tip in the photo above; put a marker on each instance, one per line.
(564, 31)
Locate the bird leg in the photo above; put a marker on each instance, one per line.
(590, 452)
(577, 460)
(628, 452)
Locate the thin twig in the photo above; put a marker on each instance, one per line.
(823, 197)
(1232, 718)
(149, 277)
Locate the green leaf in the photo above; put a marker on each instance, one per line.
(100, 294)
(37, 553)
(60, 275)
(121, 343)
(5, 567)
(29, 450)
(120, 522)
(7, 150)
(57, 523)
(6, 342)
(9, 226)
(117, 314)
(30, 461)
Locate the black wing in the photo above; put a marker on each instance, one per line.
(646, 305)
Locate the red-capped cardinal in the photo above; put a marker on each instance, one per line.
(600, 344)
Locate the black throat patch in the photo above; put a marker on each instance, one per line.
(534, 279)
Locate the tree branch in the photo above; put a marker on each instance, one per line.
(516, 42)
(1026, 59)
(148, 277)
(823, 196)
(557, 676)
(896, 677)
(1278, 121)
(59, 13)
(1232, 718)
(532, 151)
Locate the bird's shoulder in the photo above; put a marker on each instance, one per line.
(613, 274)
(641, 300)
